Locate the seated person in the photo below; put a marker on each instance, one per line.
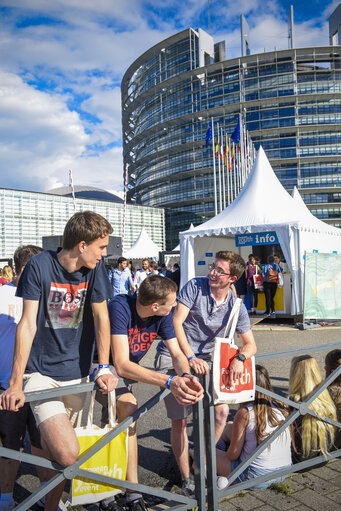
(135, 323)
(332, 362)
(253, 423)
(313, 436)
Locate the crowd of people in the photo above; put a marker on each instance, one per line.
(62, 304)
(270, 275)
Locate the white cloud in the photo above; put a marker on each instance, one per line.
(40, 139)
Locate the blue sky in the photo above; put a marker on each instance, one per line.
(61, 64)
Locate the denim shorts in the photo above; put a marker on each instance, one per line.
(253, 472)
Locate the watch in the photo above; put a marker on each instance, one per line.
(240, 357)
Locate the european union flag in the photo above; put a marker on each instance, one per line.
(236, 134)
(208, 137)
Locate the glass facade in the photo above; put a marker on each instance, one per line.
(290, 101)
(25, 217)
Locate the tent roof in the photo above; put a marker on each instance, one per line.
(262, 204)
(144, 246)
(309, 218)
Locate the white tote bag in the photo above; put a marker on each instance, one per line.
(225, 350)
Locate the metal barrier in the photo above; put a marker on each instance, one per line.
(203, 436)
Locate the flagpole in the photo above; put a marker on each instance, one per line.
(227, 150)
(72, 189)
(223, 168)
(219, 170)
(124, 205)
(214, 171)
(234, 172)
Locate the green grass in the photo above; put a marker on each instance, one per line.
(282, 488)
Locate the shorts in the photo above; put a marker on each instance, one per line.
(13, 427)
(102, 399)
(253, 472)
(43, 409)
(175, 411)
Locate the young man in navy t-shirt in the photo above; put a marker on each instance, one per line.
(135, 323)
(64, 298)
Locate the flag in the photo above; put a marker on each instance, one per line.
(236, 134)
(216, 150)
(221, 152)
(225, 153)
(208, 137)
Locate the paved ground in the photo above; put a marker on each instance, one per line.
(316, 490)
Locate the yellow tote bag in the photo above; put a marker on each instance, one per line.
(110, 461)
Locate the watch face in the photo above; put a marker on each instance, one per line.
(241, 357)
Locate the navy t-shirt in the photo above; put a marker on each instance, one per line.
(124, 320)
(62, 346)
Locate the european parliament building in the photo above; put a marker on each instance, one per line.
(289, 100)
(25, 216)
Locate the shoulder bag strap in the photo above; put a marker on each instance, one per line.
(232, 321)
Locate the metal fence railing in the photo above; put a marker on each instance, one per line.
(203, 437)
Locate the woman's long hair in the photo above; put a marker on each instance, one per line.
(7, 273)
(266, 407)
(305, 377)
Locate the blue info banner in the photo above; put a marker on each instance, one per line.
(256, 238)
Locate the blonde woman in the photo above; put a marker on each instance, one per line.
(332, 362)
(7, 275)
(313, 436)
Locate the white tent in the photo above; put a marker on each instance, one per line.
(144, 246)
(262, 205)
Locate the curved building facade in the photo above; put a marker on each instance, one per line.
(290, 101)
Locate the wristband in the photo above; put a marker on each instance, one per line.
(100, 372)
(100, 366)
(190, 358)
(169, 382)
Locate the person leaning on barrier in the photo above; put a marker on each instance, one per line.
(332, 362)
(253, 423)
(13, 425)
(203, 309)
(135, 324)
(312, 435)
(65, 296)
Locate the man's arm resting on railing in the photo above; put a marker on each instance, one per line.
(125, 368)
(107, 382)
(13, 398)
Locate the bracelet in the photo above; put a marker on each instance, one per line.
(100, 366)
(169, 382)
(100, 372)
(190, 358)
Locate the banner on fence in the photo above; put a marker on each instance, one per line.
(322, 286)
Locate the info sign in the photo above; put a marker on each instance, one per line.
(256, 238)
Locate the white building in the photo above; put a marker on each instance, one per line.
(25, 217)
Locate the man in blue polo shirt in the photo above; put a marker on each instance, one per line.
(122, 281)
(135, 324)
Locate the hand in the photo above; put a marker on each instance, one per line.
(107, 383)
(235, 370)
(12, 399)
(199, 365)
(181, 388)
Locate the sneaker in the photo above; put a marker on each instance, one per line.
(111, 506)
(222, 482)
(136, 505)
(187, 488)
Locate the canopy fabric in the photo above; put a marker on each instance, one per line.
(264, 205)
(144, 246)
